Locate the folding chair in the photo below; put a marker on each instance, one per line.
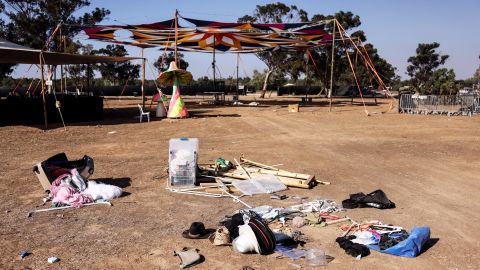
(147, 114)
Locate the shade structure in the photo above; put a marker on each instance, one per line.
(210, 36)
(12, 53)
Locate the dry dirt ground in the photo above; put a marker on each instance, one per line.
(428, 165)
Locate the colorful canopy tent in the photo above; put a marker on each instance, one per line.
(16, 54)
(211, 36)
(208, 36)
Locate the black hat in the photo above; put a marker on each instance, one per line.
(197, 231)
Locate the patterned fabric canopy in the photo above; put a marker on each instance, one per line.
(209, 36)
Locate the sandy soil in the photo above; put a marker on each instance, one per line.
(428, 165)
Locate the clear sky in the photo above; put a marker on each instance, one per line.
(395, 27)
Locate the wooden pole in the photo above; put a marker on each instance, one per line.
(213, 66)
(306, 78)
(176, 35)
(331, 68)
(238, 60)
(42, 80)
(143, 81)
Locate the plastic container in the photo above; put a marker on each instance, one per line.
(315, 257)
(182, 161)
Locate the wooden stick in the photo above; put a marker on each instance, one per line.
(242, 159)
(337, 221)
(322, 182)
(282, 173)
(241, 167)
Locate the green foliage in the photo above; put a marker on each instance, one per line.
(170, 57)
(275, 60)
(423, 66)
(117, 72)
(444, 82)
(32, 22)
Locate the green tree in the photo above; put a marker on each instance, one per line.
(117, 72)
(423, 66)
(275, 13)
(32, 22)
(444, 82)
(170, 57)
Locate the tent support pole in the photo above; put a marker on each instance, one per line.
(176, 35)
(331, 67)
(238, 60)
(143, 81)
(213, 66)
(306, 79)
(42, 80)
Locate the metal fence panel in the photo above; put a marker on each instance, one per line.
(432, 104)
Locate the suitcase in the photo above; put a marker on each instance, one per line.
(47, 171)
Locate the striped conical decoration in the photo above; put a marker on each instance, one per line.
(177, 107)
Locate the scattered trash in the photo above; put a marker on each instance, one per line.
(253, 103)
(278, 197)
(24, 253)
(315, 257)
(102, 191)
(262, 184)
(29, 214)
(53, 260)
(377, 199)
(237, 103)
(298, 222)
(396, 244)
(188, 257)
(352, 249)
(293, 108)
(290, 252)
(112, 132)
(221, 237)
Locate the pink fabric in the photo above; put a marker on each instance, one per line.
(62, 193)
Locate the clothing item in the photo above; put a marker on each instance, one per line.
(410, 247)
(221, 237)
(351, 248)
(365, 238)
(390, 240)
(232, 225)
(377, 199)
(102, 191)
(265, 236)
(196, 231)
(63, 193)
(246, 241)
(188, 257)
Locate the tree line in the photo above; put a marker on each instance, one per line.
(32, 22)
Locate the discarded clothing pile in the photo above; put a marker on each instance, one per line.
(377, 199)
(384, 238)
(71, 189)
(247, 232)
